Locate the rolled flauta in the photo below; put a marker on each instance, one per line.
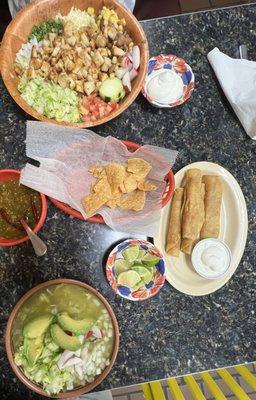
(192, 215)
(188, 244)
(212, 203)
(174, 231)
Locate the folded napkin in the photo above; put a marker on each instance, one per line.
(238, 80)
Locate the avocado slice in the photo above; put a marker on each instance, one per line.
(37, 326)
(63, 340)
(33, 349)
(76, 326)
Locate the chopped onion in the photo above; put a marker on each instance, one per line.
(127, 81)
(72, 361)
(65, 356)
(120, 72)
(136, 57)
(127, 63)
(133, 73)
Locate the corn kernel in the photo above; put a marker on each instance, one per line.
(123, 22)
(112, 75)
(112, 19)
(114, 60)
(90, 10)
(131, 45)
(120, 28)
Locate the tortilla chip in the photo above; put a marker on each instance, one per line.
(133, 201)
(130, 182)
(92, 203)
(122, 187)
(96, 171)
(139, 167)
(102, 188)
(115, 175)
(147, 186)
(112, 203)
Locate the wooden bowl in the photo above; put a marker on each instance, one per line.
(9, 346)
(5, 176)
(41, 10)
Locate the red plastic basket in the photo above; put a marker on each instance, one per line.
(131, 146)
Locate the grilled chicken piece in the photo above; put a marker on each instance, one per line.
(69, 65)
(59, 67)
(117, 51)
(79, 86)
(89, 87)
(37, 63)
(71, 41)
(56, 51)
(98, 59)
(112, 32)
(63, 80)
(101, 41)
(45, 67)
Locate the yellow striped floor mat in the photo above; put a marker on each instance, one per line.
(233, 383)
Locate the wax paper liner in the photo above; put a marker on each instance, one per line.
(65, 155)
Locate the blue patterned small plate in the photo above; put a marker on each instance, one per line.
(146, 291)
(170, 62)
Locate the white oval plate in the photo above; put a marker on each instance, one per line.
(233, 231)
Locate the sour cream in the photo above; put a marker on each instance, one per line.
(211, 258)
(165, 86)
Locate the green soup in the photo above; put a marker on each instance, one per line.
(39, 351)
(16, 202)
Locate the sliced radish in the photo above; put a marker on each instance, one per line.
(127, 81)
(136, 57)
(88, 334)
(120, 72)
(127, 63)
(97, 332)
(133, 73)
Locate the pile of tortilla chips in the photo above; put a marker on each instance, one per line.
(122, 185)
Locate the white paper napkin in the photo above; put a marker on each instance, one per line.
(238, 80)
(65, 156)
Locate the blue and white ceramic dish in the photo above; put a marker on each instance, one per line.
(177, 64)
(146, 291)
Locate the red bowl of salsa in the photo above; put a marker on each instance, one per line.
(17, 201)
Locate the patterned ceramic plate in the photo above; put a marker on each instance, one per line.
(146, 291)
(179, 65)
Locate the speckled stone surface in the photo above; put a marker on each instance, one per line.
(170, 334)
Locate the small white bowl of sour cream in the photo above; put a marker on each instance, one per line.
(211, 258)
(169, 82)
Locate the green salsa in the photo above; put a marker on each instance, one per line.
(16, 202)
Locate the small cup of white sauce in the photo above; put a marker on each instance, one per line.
(211, 258)
(169, 81)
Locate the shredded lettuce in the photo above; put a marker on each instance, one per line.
(50, 99)
(45, 371)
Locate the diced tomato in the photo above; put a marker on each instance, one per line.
(93, 108)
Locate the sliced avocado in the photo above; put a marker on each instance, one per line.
(78, 327)
(33, 349)
(37, 326)
(63, 340)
